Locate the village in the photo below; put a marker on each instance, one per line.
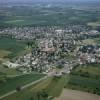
(56, 49)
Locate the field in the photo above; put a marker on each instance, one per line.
(94, 24)
(11, 83)
(68, 94)
(8, 71)
(14, 21)
(86, 78)
(89, 42)
(10, 47)
(41, 15)
(4, 53)
(51, 86)
(83, 78)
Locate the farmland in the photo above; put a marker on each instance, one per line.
(49, 39)
(10, 83)
(10, 47)
(85, 78)
(94, 24)
(36, 16)
(42, 87)
(8, 71)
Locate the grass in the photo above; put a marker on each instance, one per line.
(8, 71)
(11, 83)
(97, 40)
(89, 41)
(4, 53)
(84, 84)
(10, 47)
(94, 24)
(86, 78)
(52, 86)
(46, 16)
(56, 86)
(14, 21)
(91, 69)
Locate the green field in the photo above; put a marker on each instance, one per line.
(86, 78)
(92, 70)
(31, 16)
(14, 21)
(11, 83)
(89, 41)
(8, 71)
(51, 86)
(10, 47)
(94, 24)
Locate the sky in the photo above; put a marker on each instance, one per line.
(16, 1)
(46, 0)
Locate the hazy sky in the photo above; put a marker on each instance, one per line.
(5, 1)
(45, 0)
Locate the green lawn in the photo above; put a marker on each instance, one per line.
(11, 83)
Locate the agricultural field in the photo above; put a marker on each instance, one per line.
(4, 53)
(8, 71)
(41, 15)
(86, 78)
(52, 86)
(89, 42)
(10, 48)
(94, 24)
(90, 69)
(11, 83)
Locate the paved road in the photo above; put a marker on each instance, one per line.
(25, 86)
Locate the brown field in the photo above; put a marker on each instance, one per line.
(68, 94)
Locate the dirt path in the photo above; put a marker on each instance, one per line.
(68, 94)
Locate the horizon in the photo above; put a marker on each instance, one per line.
(6, 1)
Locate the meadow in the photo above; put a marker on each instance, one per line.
(82, 78)
(94, 24)
(86, 78)
(11, 83)
(52, 86)
(8, 71)
(39, 15)
(10, 47)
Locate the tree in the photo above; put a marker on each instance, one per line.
(31, 98)
(38, 95)
(44, 94)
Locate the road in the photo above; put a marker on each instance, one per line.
(23, 87)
